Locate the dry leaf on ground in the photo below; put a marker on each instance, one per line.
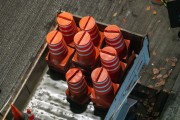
(150, 86)
(115, 14)
(154, 12)
(159, 76)
(155, 71)
(160, 83)
(165, 76)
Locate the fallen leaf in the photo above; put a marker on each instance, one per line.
(165, 76)
(160, 83)
(159, 76)
(150, 86)
(115, 14)
(148, 8)
(154, 53)
(154, 77)
(154, 12)
(155, 71)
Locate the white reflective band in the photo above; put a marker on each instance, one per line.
(100, 83)
(76, 88)
(71, 33)
(112, 65)
(53, 49)
(119, 46)
(109, 83)
(83, 46)
(114, 44)
(109, 61)
(114, 69)
(86, 50)
(94, 32)
(54, 45)
(59, 52)
(103, 91)
(78, 91)
(95, 37)
(86, 54)
(76, 84)
(68, 30)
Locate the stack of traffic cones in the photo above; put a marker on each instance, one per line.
(89, 25)
(78, 91)
(59, 54)
(104, 90)
(67, 26)
(104, 81)
(114, 38)
(110, 61)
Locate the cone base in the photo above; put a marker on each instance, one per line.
(63, 65)
(101, 102)
(79, 100)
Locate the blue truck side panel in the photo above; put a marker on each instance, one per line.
(116, 111)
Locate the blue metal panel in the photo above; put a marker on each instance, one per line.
(129, 83)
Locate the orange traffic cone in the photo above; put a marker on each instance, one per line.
(104, 90)
(114, 38)
(30, 115)
(78, 90)
(17, 115)
(89, 25)
(110, 61)
(67, 26)
(86, 55)
(59, 54)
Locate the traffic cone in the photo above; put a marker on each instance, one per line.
(17, 115)
(89, 25)
(78, 90)
(86, 55)
(110, 61)
(30, 115)
(114, 38)
(59, 54)
(67, 26)
(104, 90)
